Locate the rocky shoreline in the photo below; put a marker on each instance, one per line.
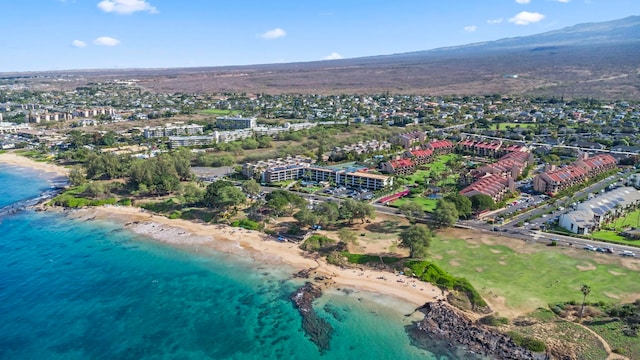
(447, 326)
(317, 329)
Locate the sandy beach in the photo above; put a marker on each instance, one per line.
(21, 161)
(262, 248)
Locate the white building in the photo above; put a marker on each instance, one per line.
(591, 214)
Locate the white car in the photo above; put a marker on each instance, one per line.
(628, 253)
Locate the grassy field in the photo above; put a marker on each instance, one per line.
(427, 204)
(503, 126)
(219, 112)
(535, 275)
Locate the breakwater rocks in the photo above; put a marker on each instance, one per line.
(447, 326)
(316, 328)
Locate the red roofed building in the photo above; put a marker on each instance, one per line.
(597, 164)
(555, 180)
(420, 157)
(399, 167)
(495, 186)
(511, 165)
(440, 147)
(480, 148)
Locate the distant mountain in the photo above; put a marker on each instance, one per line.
(599, 60)
(625, 30)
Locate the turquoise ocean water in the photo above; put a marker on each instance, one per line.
(73, 289)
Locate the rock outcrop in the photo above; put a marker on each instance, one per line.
(448, 326)
(316, 328)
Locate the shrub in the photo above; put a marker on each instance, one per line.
(177, 214)
(528, 342)
(246, 224)
(492, 320)
(317, 243)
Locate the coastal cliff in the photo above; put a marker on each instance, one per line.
(449, 327)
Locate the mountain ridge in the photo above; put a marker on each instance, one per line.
(585, 60)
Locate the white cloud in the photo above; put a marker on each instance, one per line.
(523, 1)
(126, 6)
(273, 34)
(526, 18)
(470, 28)
(78, 43)
(333, 56)
(494, 21)
(106, 41)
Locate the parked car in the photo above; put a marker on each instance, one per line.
(628, 253)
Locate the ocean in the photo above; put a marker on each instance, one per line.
(73, 289)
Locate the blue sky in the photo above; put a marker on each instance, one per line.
(92, 34)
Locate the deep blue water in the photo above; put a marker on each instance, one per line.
(72, 289)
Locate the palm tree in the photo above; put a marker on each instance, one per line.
(586, 289)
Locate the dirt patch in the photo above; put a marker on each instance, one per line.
(452, 252)
(454, 263)
(613, 296)
(479, 269)
(586, 267)
(496, 251)
(615, 273)
(502, 262)
(437, 256)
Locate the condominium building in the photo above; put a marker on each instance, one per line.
(172, 130)
(234, 123)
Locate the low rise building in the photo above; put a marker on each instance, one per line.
(590, 215)
(495, 186)
(177, 129)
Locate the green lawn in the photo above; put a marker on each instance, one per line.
(219, 112)
(612, 333)
(610, 231)
(534, 279)
(427, 204)
(503, 126)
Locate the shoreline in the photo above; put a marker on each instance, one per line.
(13, 159)
(263, 248)
(241, 242)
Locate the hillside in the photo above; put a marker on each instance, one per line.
(589, 60)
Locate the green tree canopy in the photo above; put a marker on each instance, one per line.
(462, 203)
(411, 210)
(445, 213)
(251, 187)
(417, 239)
(480, 202)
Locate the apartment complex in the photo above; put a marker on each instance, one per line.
(302, 168)
(235, 123)
(169, 129)
(554, 179)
